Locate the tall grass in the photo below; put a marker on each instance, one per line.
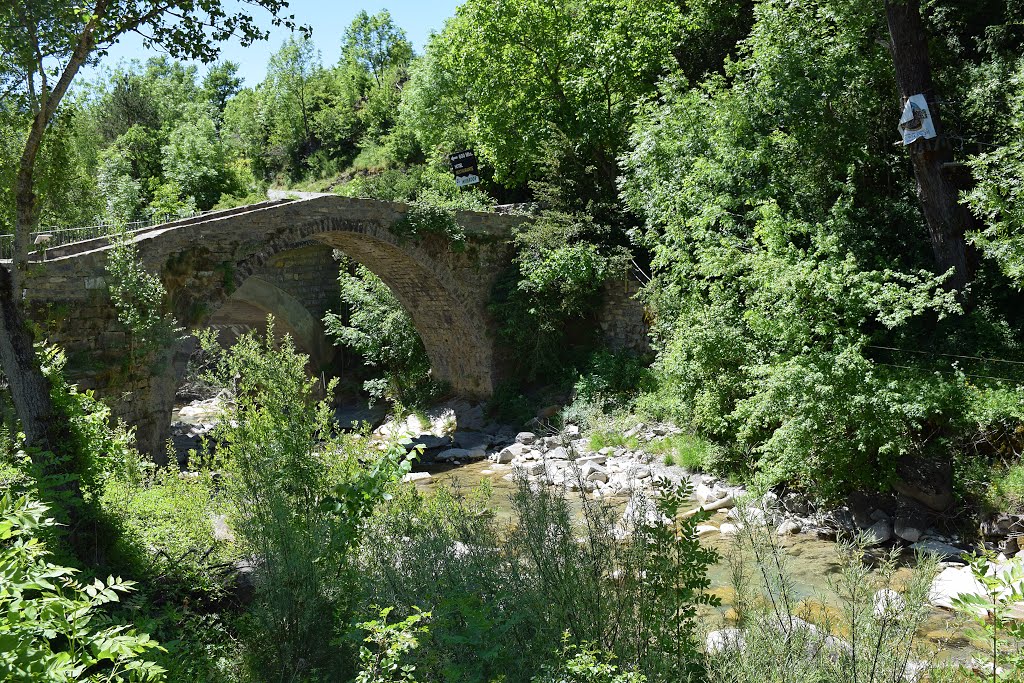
(501, 598)
(870, 636)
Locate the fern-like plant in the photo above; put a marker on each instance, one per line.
(51, 627)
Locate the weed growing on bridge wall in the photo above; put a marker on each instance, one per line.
(140, 300)
(426, 219)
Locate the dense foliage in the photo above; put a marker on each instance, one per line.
(738, 156)
(383, 334)
(52, 628)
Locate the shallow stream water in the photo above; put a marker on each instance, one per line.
(812, 561)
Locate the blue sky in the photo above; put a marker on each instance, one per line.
(328, 18)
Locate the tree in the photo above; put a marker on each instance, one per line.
(289, 73)
(194, 160)
(549, 88)
(948, 220)
(221, 83)
(376, 43)
(43, 46)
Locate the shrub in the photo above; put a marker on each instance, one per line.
(299, 494)
(383, 662)
(169, 515)
(383, 333)
(1003, 635)
(585, 665)
(498, 600)
(871, 636)
(614, 379)
(559, 269)
(52, 628)
(686, 450)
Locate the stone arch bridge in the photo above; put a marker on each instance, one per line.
(232, 268)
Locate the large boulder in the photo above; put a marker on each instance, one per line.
(878, 533)
(952, 582)
(912, 520)
(526, 438)
(472, 440)
(531, 469)
(944, 550)
(929, 481)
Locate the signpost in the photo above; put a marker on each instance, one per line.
(464, 168)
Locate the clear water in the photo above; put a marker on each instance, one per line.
(812, 560)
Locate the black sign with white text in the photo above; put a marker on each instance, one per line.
(464, 168)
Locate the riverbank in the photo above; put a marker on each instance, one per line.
(460, 449)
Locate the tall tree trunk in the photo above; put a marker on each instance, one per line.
(946, 217)
(44, 429)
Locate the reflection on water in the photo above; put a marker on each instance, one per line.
(812, 561)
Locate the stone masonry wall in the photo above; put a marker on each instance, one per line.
(278, 252)
(623, 318)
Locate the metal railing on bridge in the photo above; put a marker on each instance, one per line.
(42, 240)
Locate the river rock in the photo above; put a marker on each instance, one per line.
(945, 551)
(705, 529)
(887, 603)
(417, 477)
(557, 454)
(594, 472)
(725, 639)
(788, 528)
(878, 533)
(595, 459)
(951, 582)
(221, 531)
(510, 453)
(472, 441)
(526, 438)
(531, 469)
(728, 529)
(460, 454)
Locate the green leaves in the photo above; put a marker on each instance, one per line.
(386, 643)
(46, 616)
(1002, 587)
(380, 330)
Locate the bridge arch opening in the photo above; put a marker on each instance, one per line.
(297, 283)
